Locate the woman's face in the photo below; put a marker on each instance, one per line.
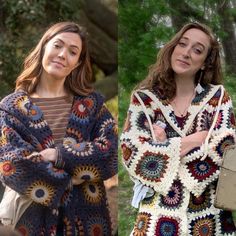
(61, 54)
(190, 53)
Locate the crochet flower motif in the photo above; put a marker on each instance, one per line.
(128, 151)
(152, 166)
(79, 227)
(35, 113)
(146, 100)
(224, 143)
(66, 198)
(69, 141)
(93, 192)
(68, 227)
(41, 192)
(7, 168)
(203, 226)
(200, 203)
(107, 125)
(57, 173)
(201, 170)
(142, 123)
(168, 226)
(227, 225)
(75, 136)
(142, 224)
(22, 104)
(174, 198)
(80, 149)
(83, 108)
(97, 226)
(87, 173)
(103, 144)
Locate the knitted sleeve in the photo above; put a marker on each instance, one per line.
(195, 172)
(94, 159)
(21, 168)
(154, 164)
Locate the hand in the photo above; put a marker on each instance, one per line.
(192, 141)
(77, 181)
(160, 133)
(49, 154)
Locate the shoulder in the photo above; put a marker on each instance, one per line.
(92, 102)
(219, 91)
(145, 96)
(15, 101)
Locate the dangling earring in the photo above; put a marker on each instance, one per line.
(199, 89)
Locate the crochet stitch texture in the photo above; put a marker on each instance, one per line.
(184, 188)
(89, 151)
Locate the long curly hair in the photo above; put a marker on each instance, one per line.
(79, 81)
(161, 75)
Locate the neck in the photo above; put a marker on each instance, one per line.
(49, 87)
(184, 85)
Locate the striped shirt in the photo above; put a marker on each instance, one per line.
(56, 112)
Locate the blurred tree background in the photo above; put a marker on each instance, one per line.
(144, 26)
(23, 22)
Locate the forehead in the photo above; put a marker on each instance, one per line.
(197, 36)
(69, 38)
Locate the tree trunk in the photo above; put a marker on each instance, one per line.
(180, 13)
(101, 16)
(228, 42)
(108, 86)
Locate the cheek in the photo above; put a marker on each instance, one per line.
(199, 61)
(74, 61)
(173, 56)
(46, 56)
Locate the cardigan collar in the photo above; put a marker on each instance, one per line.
(20, 106)
(195, 107)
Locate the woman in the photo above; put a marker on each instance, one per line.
(169, 146)
(58, 140)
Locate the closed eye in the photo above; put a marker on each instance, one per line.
(56, 45)
(182, 44)
(197, 50)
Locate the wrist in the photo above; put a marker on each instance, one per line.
(59, 162)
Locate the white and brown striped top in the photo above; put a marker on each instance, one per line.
(56, 112)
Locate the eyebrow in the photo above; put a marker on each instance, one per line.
(196, 42)
(72, 45)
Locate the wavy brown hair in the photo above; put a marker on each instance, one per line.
(79, 81)
(161, 75)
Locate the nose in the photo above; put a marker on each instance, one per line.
(186, 52)
(62, 53)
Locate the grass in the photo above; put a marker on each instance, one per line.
(127, 213)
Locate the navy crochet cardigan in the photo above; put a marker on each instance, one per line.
(89, 151)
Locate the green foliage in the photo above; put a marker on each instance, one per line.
(127, 213)
(112, 106)
(22, 25)
(230, 85)
(142, 29)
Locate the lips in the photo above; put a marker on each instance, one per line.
(183, 62)
(58, 63)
